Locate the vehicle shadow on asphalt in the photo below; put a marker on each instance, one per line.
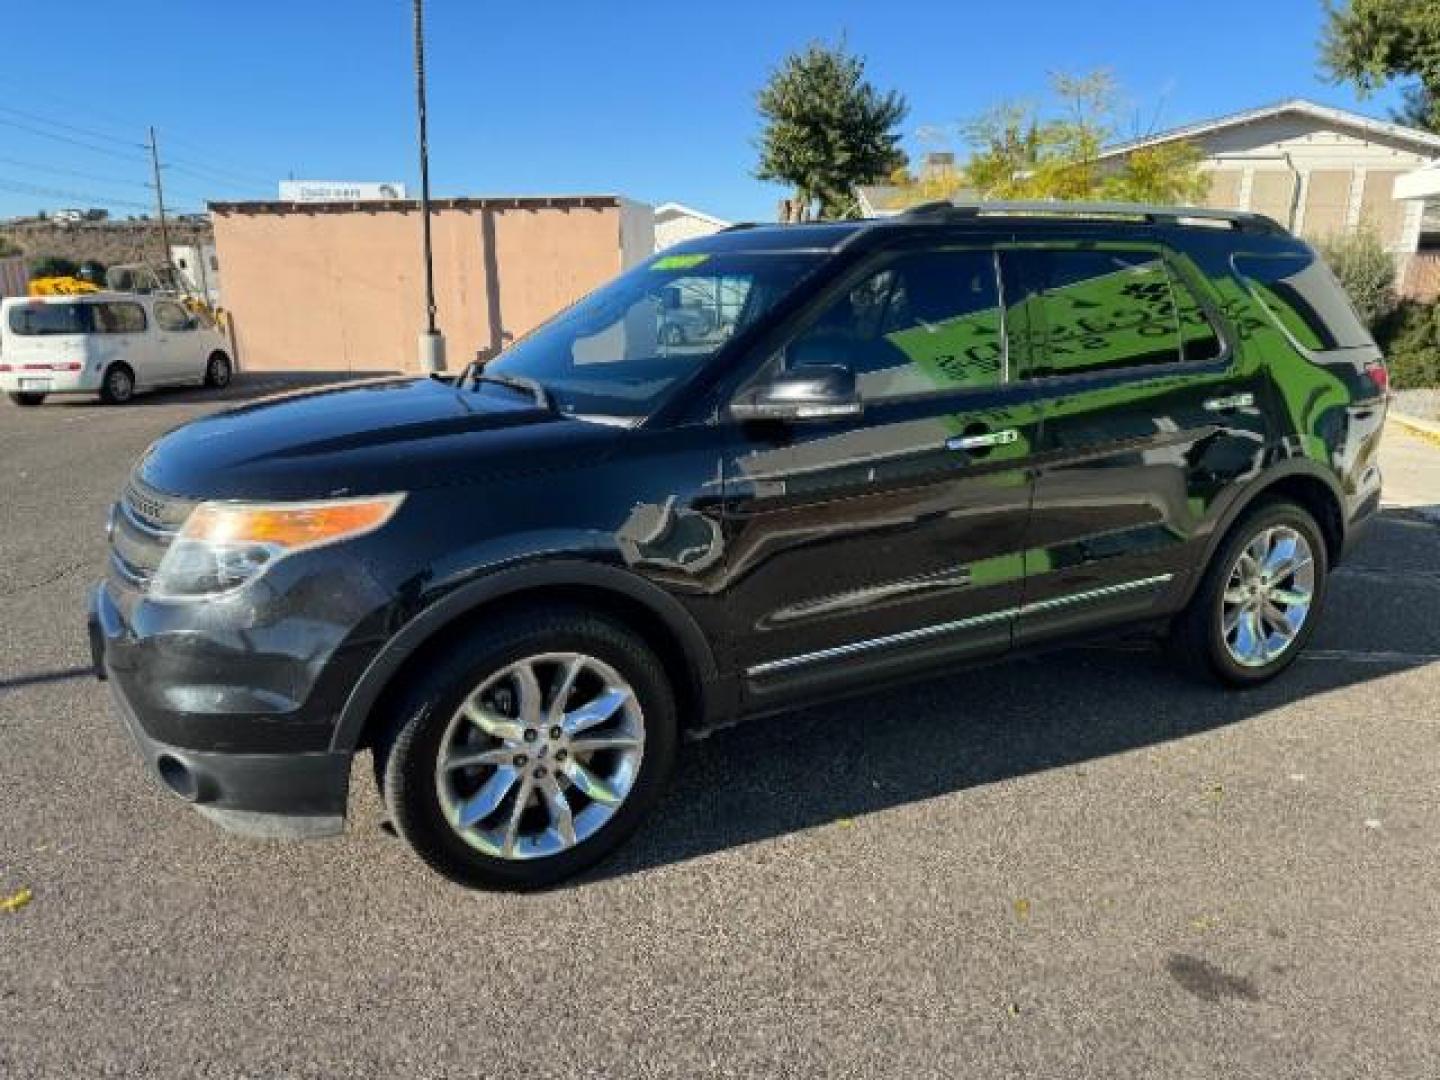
(985, 725)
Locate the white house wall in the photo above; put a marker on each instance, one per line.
(672, 228)
(1259, 150)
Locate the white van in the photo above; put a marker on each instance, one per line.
(111, 344)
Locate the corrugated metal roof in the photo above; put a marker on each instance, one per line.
(486, 202)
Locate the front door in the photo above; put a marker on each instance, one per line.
(1149, 415)
(865, 548)
(178, 344)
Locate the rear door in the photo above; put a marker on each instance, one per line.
(120, 334)
(1149, 414)
(863, 548)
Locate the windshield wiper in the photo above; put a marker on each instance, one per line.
(475, 374)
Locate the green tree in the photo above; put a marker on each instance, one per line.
(53, 266)
(1019, 151)
(1365, 269)
(1371, 43)
(827, 129)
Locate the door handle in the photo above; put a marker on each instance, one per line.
(1226, 404)
(1003, 437)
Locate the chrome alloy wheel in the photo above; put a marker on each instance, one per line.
(1267, 596)
(540, 755)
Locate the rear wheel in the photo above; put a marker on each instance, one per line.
(26, 399)
(1259, 600)
(217, 371)
(529, 751)
(119, 385)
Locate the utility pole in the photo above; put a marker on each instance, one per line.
(160, 201)
(432, 342)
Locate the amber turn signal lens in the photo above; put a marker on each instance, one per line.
(288, 526)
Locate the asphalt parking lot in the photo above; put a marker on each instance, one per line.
(1077, 865)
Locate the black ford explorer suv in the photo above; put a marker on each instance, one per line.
(905, 445)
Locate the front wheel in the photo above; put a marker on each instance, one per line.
(26, 399)
(530, 750)
(217, 371)
(1259, 601)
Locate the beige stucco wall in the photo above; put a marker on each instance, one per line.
(343, 290)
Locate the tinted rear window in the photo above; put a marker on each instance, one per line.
(119, 317)
(33, 320)
(1301, 294)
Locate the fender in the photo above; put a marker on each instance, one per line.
(1291, 467)
(507, 582)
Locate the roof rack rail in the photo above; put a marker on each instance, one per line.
(738, 226)
(1240, 220)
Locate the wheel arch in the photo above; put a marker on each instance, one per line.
(1302, 482)
(660, 620)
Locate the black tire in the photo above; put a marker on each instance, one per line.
(118, 386)
(1197, 641)
(218, 371)
(407, 756)
(26, 399)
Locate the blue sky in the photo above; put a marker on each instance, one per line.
(654, 101)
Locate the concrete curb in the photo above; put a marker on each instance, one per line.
(1426, 429)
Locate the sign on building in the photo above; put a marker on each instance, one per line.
(319, 191)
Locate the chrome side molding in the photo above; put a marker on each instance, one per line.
(837, 652)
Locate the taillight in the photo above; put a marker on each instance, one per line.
(1379, 375)
(7, 367)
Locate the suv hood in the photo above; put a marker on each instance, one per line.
(367, 438)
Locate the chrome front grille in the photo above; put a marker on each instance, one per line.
(144, 523)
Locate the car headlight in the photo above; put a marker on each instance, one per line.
(223, 545)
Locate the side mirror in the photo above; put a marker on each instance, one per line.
(811, 392)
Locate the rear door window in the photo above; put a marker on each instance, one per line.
(40, 320)
(120, 317)
(1299, 293)
(1081, 311)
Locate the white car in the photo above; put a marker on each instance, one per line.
(111, 344)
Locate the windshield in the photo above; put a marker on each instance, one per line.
(620, 350)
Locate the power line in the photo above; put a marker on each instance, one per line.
(97, 177)
(234, 177)
(20, 187)
(91, 109)
(90, 133)
(200, 174)
(223, 164)
(73, 142)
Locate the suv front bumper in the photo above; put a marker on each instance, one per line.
(274, 795)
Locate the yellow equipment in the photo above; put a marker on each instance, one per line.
(61, 286)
